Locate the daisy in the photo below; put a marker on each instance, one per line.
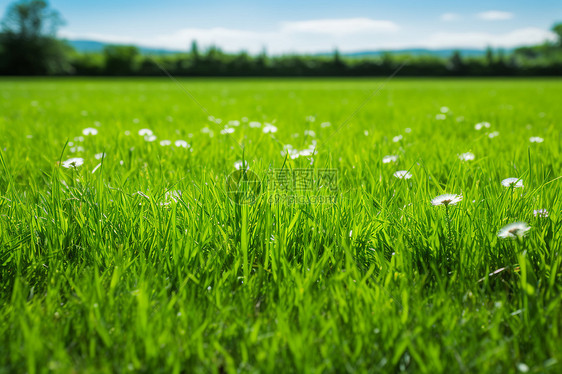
(227, 130)
(513, 182)
(238, 165)
(540, 213)
(73, 162)
(181, 143)
(90, 131)
(145, 132)
(447, 199)
(468, 156)
(402, 174)
(397, 138)
(536, 139)
(165, 143)
(150, 138)
(514, 230)
(493, 134)
(482, 125)
(389, 159)
(269, 128)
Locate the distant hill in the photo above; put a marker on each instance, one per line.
(92, 46)
(95, 46)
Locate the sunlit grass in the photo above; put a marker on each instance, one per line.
(122, 248)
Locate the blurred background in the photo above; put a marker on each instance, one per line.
(280, 38)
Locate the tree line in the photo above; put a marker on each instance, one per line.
(28, 46)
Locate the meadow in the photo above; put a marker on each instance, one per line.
(263, 226)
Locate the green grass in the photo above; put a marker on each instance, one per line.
(98, 275)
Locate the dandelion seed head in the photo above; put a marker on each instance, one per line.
(145, 132)
(181, 143)
(269, 129)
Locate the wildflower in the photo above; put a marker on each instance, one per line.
(227, 130)
(444, 109)
(402, 174)
(150, 138)
(482, 125)
(540, 213)
(514, 230)
(513, 182)
(90, 131)
(389, 159)
(407, 130)
(255, 124)
(234, 123)
(397, 138)
(447, 199)
(310, 133)
(310, 118)
(181, 143)
(165, 143)
(145, 132)
(239, 165)
(536, 139)
(325, 124)
(77, 149)
(440, 117)
(99, 156)
(269, 128)
(493, 134)
(73, 162)
(468, 156)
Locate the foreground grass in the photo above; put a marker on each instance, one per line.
(141, 261)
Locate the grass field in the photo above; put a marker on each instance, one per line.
(149, 259)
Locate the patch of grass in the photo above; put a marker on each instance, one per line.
(142, 261)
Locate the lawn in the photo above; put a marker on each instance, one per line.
(238, 225)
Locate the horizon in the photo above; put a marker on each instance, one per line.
(274, 27)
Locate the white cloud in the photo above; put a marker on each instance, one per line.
(526, 36)
(339, 27)
(495, 15)
(449, 17)
(305, 37)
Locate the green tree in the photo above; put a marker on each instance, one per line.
(27, 40)
(120, 59)
(557, 29)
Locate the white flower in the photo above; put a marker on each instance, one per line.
(76, 149)
(444, 109)
(397, 138)
(90, 131)
(310, 133)
(234, 123)
(440, 117)
(310, 118)
(407, 130)
(165, 143)
(540, 213)
(238, 165)
(99, 156)
(468, 156)
(73, 162)
(145, 132)
(402, 174)
(306, 152)
(389, 159)
(325, 124)
(493, 134)
(536, 139)
(127, 133)
(269, 128)
(150, 138)
(79, 139)
(514, 230)
(181, 143)
(447, 199)
(227, 130)
(481, 125)
(255, 124)
(513, 182)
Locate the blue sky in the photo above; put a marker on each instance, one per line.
(309, 26)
